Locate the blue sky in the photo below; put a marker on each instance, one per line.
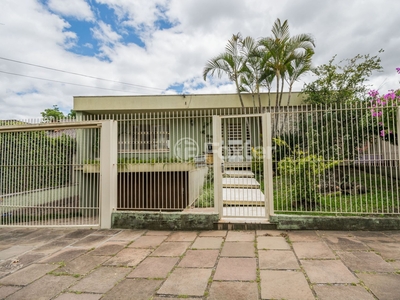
(161, 46)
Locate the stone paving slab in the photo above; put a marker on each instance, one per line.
(284, 285)
(100, 280)
(274, 243)
(365, 262)
(139, 289)
(394, 234)
(154, 267)
(313, 250)
(128, 257)
(47, 287)
(303, 236)
(159, 232)
(387, 250)
(128, 235)
(14, 251)
(230, 268)
(240, 236)
(383, 286)
(7, 291)
(199, 259)
(12, 265)
(171, 249)
(345, 243)
(78, 234)
(109, 248)
(238, 249)
(82, 265)
(28, 274)
(335, 292)
(82, 296)
(65, 255)
(277, 260)
(328, 271)
(208, 243)
(269, 232)
(182, 236)
(53, 246)
(91, 241)
(233, 291)
(148, 241)
(221, 233)
(182, 281)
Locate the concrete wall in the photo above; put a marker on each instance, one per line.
(115, 104)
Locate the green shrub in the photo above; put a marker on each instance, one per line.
(304, 171)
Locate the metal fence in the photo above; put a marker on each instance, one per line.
(165, 160)
(340, 160)
(325, 160)
(43, 180)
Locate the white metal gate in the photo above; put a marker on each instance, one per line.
(243, 166)
(50, 173)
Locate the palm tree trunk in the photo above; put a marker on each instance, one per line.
(287, 106)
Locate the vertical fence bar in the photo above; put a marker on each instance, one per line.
(268, 173)
(108, 171)
(217, 164)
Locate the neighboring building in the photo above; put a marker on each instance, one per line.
(176, 132)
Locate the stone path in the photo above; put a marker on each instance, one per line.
(127, 264)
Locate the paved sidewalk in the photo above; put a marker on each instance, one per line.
(127, 264)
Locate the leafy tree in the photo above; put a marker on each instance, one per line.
(72, 114)
(342, 82)
(52, 114)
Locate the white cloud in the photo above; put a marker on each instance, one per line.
(139, 14)
(78, 9)
(104, 33)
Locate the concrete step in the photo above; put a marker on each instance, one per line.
(242, 196)
(249, 183)
(244, 224)
(238, 173)
(243, 165)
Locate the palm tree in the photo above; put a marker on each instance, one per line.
(251, 76)
(280, 51)
(232, 62)
(297, 67)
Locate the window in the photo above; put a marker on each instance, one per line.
(143, 138)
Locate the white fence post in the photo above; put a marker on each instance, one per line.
(108, 172)
(217, 161)
(268, 173)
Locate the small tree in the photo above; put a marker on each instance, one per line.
(342, 82)
(52, 114)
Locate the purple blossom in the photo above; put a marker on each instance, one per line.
(374, 93)
(382, 133)
(390, 96)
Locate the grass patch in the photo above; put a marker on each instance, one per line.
(382, 196)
